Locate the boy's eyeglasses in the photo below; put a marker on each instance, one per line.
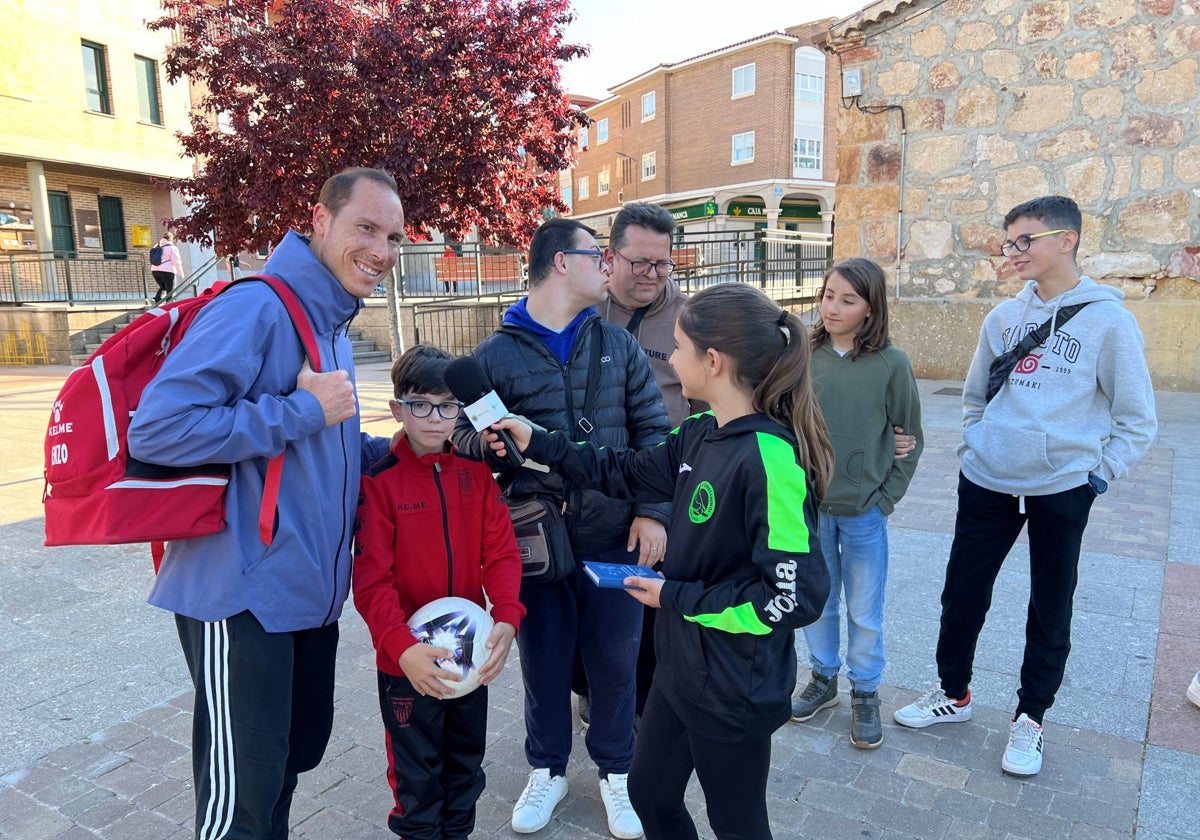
(423, 408)
(591, 252)
(644, 268)
(1021, 244)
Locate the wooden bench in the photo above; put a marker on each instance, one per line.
(493, 268)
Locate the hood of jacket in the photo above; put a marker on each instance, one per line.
(327, 303)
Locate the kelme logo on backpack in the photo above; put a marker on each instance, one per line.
(95, 493)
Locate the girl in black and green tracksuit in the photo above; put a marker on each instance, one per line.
(743, 568)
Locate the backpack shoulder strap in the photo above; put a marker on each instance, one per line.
(300, 322)
(308, 338)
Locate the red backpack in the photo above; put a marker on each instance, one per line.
(95, 493)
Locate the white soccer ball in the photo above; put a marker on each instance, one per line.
(461, 626)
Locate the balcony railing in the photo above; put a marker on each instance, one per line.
(74, 277)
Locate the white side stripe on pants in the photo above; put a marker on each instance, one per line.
(222, 787)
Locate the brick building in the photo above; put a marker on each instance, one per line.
(729, 140)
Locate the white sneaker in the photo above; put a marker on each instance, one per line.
(623, 821)
(1023, 755)
(1193, 692)
(536, 805)
(933, 707)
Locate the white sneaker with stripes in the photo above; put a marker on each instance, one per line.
(1023, 755)
(933, 707)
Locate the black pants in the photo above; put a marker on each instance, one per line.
(985, 529)
(166, 284)
(262, 716)
(435, 757)
(733, 775)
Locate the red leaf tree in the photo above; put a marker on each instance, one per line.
(459, 99)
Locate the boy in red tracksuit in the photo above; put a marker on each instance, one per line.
(430, 525)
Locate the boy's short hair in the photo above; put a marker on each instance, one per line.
(421, 370)
(1054, 211)
(556, 235)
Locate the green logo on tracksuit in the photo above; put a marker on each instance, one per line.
(704, 502)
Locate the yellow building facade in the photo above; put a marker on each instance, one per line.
(87, 123)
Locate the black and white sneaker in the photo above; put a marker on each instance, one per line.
(934, 707)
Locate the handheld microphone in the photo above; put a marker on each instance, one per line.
(470, 385)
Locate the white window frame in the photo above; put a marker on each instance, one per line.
(582, 139)
(804, 148)
(747, 73)
(602, 131)
(584, 188)
(649, 166)
(810, 87)
(738, 161)
(602, 181)
(649, 99)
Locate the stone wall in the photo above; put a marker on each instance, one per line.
(1007, 100)
(939, 335)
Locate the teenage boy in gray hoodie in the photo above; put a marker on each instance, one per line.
(1073, 415)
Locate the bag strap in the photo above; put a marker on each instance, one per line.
(1035, 338)
(636, 320)
(308, 338)
(592, 391)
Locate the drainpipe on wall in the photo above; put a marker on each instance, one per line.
(900, 208)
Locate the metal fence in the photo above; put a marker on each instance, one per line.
(461, 270)
(457, 309)
(782, 263)
(50, 276)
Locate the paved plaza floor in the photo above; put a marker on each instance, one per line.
(95, 701)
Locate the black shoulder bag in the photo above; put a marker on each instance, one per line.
(542, 538)
(1005, 363)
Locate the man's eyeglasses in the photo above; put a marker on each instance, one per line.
(591, 252)
(423, 408)
(1021, 244)
(644, 268)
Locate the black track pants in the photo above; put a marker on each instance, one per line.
(435, 757)
(985, 529)
(262, 716)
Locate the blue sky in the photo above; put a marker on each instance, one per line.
(629, 37)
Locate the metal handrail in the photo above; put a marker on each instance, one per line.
(192, 281)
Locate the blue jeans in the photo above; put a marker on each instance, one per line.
(856, 552)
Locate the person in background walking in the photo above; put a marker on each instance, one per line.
(165, 266)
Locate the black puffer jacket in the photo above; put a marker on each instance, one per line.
(629, 414)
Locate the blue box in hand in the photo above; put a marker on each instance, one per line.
(612, 575)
